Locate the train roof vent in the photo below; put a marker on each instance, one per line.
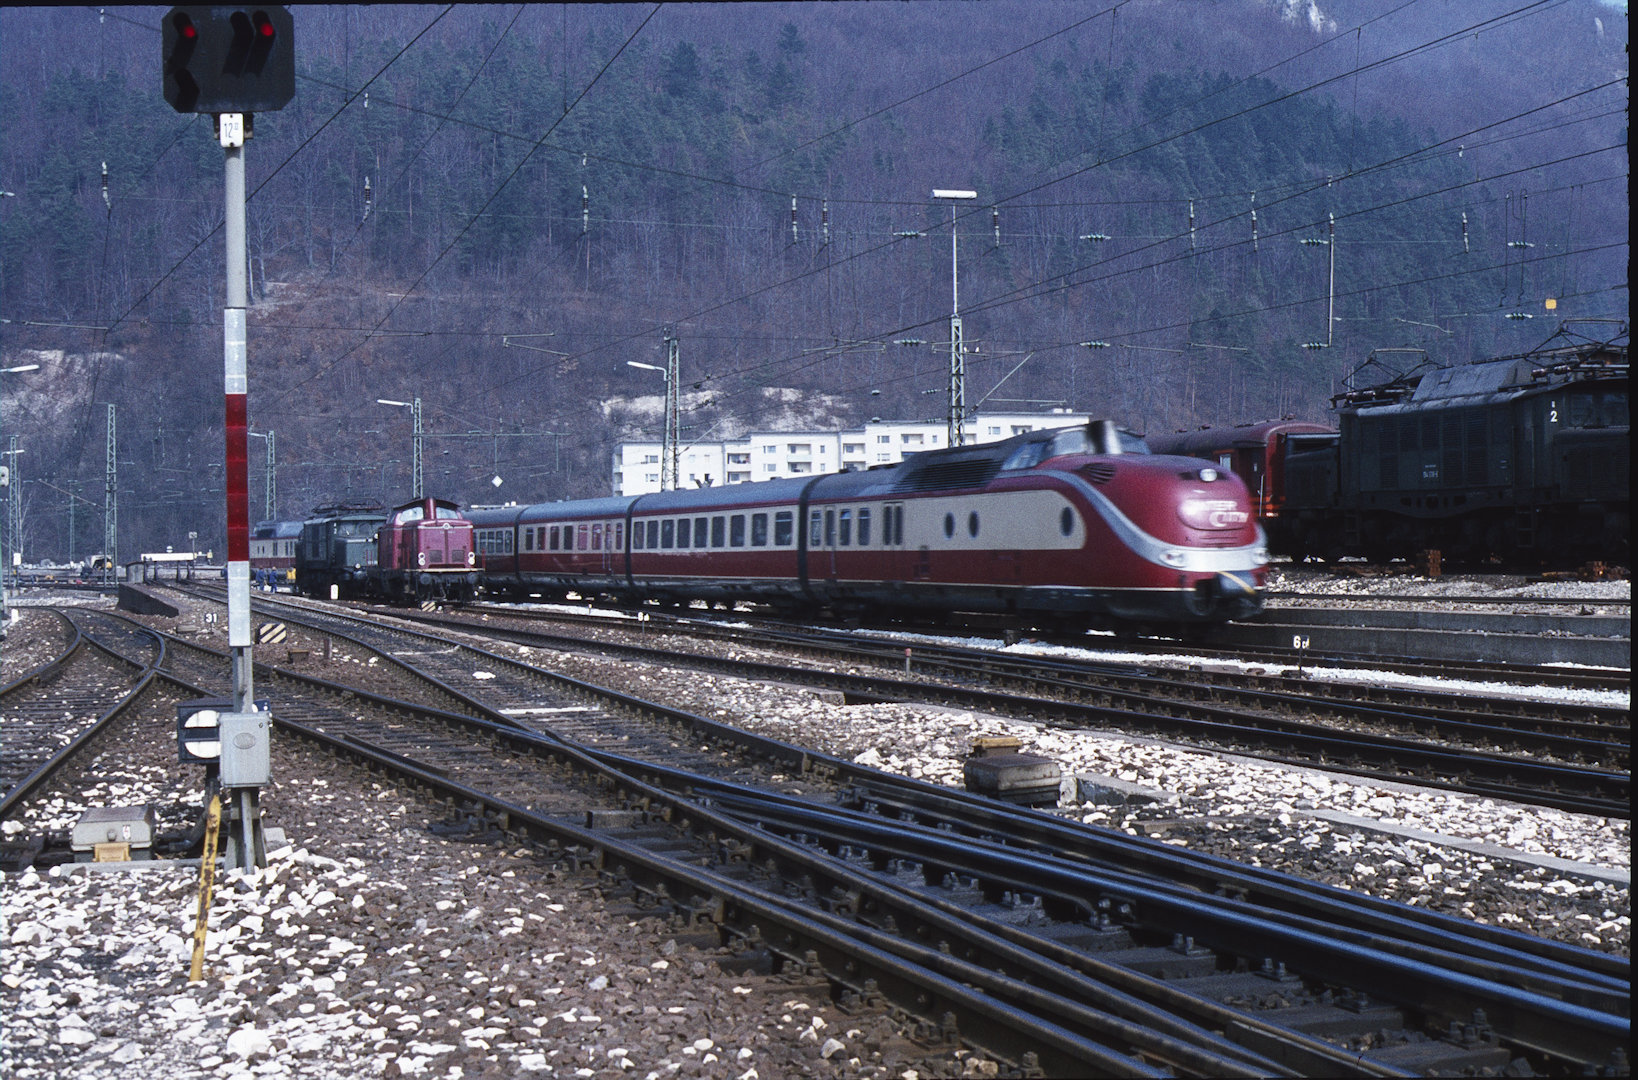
(961, 472)
(1099, 472)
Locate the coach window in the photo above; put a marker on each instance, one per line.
(597, 537)
(528, 540)
(846, 538)
(784, 528)
(685, 531)
(653, 535)
(636, 536)
(736, 531)
(702, 530)
(759, 530)
(949, 526)
(830, 528)
(1066, 521)
(972, 524)
(553, 538)
(816, 529)
(719, 526)
(668, 530)
(864, 526)
(617, 535)
(540, 538)
(582, 539)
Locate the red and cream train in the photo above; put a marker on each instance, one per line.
(1080, 526)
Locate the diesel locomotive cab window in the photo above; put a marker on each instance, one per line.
(949, 526)
(864, 527)
(1066, 521)
(759, 530)
(719, 531)
(736, 530)
(972, 525)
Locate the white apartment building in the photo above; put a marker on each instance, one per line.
(768, 455)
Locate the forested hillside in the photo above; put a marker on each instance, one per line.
(495, 208)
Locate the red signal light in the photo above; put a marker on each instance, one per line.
(264, 25)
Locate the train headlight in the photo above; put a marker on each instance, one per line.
(1207, 475)
(1174, 557)
(420, 558)
(472, 558)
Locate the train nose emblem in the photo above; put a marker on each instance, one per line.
(1213, 513)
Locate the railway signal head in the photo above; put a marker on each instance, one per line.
(228, 60)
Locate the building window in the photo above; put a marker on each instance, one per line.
(884, 438)
(771, 467)
(911, 439)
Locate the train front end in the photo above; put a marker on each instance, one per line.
(1169, 539)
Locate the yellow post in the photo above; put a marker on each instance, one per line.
(207, 879)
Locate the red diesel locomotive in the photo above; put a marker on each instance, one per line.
(1079, 526)
(424, 551)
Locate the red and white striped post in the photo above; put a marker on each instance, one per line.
(231, 130)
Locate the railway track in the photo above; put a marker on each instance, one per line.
(52, 711)
(902, 892)
(1574, 758)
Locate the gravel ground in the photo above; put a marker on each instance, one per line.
(372, 947)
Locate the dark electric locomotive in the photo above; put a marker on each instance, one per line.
(1080, 525)
(337, 551)
(1520, 458)
(1524, 458)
